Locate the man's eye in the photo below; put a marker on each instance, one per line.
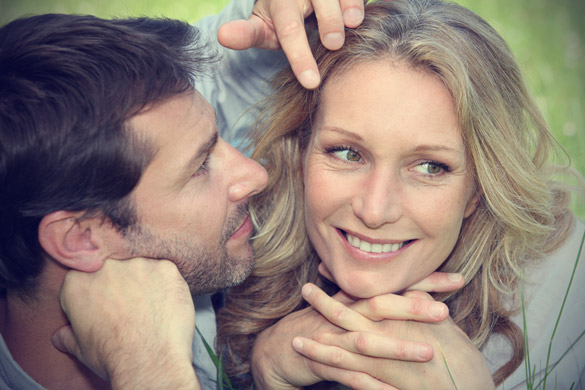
(203, 168)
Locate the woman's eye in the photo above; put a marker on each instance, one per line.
(348, 155)
(431, 168)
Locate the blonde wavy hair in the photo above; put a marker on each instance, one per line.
(522, 213)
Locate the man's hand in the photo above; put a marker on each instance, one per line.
(278, 24)
(346, 324)
(132, 323)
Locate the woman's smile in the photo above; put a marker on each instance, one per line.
(374, 246)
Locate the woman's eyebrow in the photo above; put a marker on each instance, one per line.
(342, 131)
(435, 148)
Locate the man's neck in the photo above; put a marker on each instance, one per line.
(27, 326)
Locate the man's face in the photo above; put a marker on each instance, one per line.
(191, 201)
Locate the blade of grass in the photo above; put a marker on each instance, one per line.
(527, 367)
(446, 365)
(222, 375)
(561, 310)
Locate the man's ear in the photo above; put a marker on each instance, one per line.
(73, 241)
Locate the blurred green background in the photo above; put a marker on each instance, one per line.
(548, 38)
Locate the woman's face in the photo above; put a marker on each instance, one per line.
(387, 184)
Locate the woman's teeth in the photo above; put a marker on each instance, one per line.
(373, 248)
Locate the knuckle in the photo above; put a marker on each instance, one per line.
(317, 368)
(417, 306)
(168, 267)
(375, 304)
(401, 349)
(337, 357)
(415, 294)
(361, 343)
(321, 337)
(357, 381)
(339, 313)
(290, 29)
(435, 277)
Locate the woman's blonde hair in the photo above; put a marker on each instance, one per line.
(522, 214)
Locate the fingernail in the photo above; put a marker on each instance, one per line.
(437, 310)
(423, 352)
(455, 278)
(306, 290)
(57, 343)
(297, 344)
(333, 41)
(352, 17)
(309, 79)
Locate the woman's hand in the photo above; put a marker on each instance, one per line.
(455, 363)
(276, 24)
(287, 369)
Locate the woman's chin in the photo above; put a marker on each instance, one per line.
(364, 285)
(363, 290)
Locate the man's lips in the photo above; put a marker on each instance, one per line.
(244, 230)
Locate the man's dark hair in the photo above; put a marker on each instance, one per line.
(68, 86)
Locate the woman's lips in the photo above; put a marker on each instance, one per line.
(365, 250)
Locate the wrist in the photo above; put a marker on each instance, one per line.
(159, 371)
(265, 371)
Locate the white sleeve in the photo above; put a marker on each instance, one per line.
(240, 79)
(544, 296)
(205, 320)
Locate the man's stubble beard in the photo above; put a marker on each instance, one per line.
(206, 269)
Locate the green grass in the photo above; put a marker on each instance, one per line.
(189, 10)
(532, 382)
(548, 38)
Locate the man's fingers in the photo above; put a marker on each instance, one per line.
(257, 31)
(64, 340)
(439, 282)
(330, 22)
(353, 12)
(237, 35)
(289, 24)
(281, 24)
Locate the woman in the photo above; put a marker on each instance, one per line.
(421, 151)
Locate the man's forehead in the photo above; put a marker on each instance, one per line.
(188, 111)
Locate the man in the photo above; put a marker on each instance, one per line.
(108, 152)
